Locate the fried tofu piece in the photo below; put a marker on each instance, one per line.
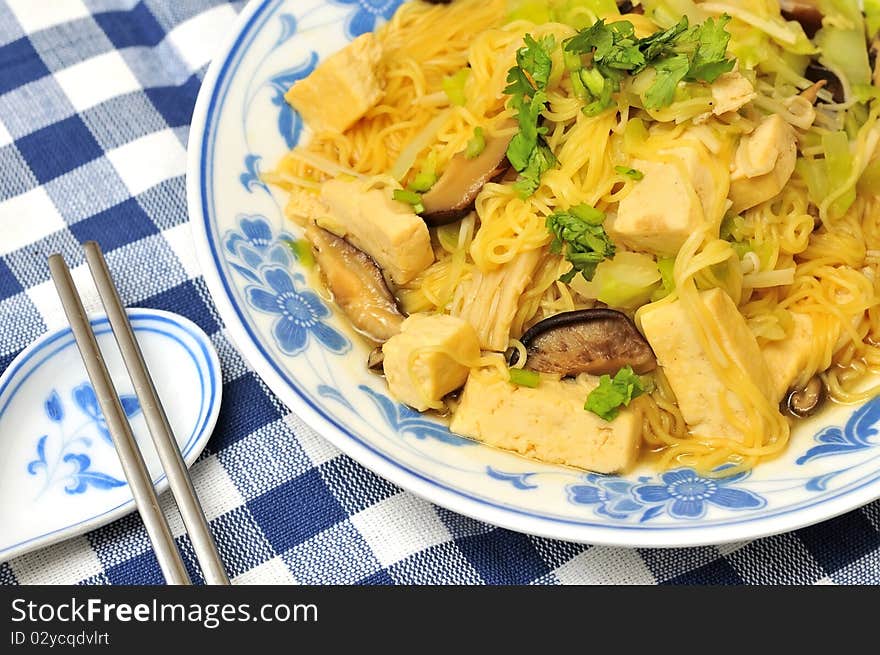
(342, 88)
(387, 230)
(687, 366)
(418, 365)
(547, 423)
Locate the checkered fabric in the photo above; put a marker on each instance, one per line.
(95, 102)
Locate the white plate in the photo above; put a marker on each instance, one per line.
(59, 473)
(304, 353)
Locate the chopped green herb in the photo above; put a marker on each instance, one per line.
(476, 145)
(606, 400)
(410, 198)
(680, 53)
(453, 85)
(528, 153)
(524, 378)
(578, 233)
(631, 173)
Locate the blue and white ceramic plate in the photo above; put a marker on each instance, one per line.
(303, 351)
(59, 473)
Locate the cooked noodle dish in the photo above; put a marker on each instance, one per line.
(597, 234)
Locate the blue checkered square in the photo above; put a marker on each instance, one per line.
(20, 64)
(9, 284)
(58, 148)
(103, 227)
(309, 508)
(132, 27)
(503, 557)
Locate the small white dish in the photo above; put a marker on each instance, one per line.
(59, 473)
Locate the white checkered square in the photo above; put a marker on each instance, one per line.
(274, 572)
(65, 564)
(35, 15)
(216, 491)
(605, 565)
(399, 527)
(180, 239)
(147, 161)
(44, 296)
(27, 218)
(5, 136)
(95, 80)
(316, 447)
(188, 38)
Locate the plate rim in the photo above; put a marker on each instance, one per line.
(161, 484)
(436, 491)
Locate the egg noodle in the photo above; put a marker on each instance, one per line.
(813, 249)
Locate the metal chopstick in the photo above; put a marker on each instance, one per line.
(157, 421)
(120, 431)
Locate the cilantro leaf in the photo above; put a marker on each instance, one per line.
(579, 233)
(527, 152)
(709, 59)
(654, 45)
(613, 393)
(670, 72)
(541, 160)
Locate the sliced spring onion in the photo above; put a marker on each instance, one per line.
(410, 198)
(302, 251)
(427, 175)
(476, 145)
(631, 173)
(525, 378)
(420, 141)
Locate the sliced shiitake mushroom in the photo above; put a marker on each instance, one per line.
(816, 72)
(595, 341)
(453, 195)
(806, 401)
(376, 360)
(627, 7)
(357, 285)
(805, 12)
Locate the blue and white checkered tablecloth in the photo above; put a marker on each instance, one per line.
(95, 103)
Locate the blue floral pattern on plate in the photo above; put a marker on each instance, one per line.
(77, 475)
(264, 259)
(366, 14)
(682, 493)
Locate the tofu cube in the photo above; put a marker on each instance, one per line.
(787, 358)
(417, 367)
(547, 423)
(387, 230)
(687, 366)
(660, 212)
(730, 92)
(342, 88)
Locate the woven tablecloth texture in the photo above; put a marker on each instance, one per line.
(95, 103)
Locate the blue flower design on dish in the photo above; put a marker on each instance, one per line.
(611, 495)
(85, 398)
(854, 436)
(687, 495)
(366, 14)
(52, 454)
(300, 312)
(405, 420)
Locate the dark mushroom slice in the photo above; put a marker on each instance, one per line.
(357, 285)
(801, 403)
(627, 7)
(816, 72)
(595, 341)
(805, 12)
(453, 195)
